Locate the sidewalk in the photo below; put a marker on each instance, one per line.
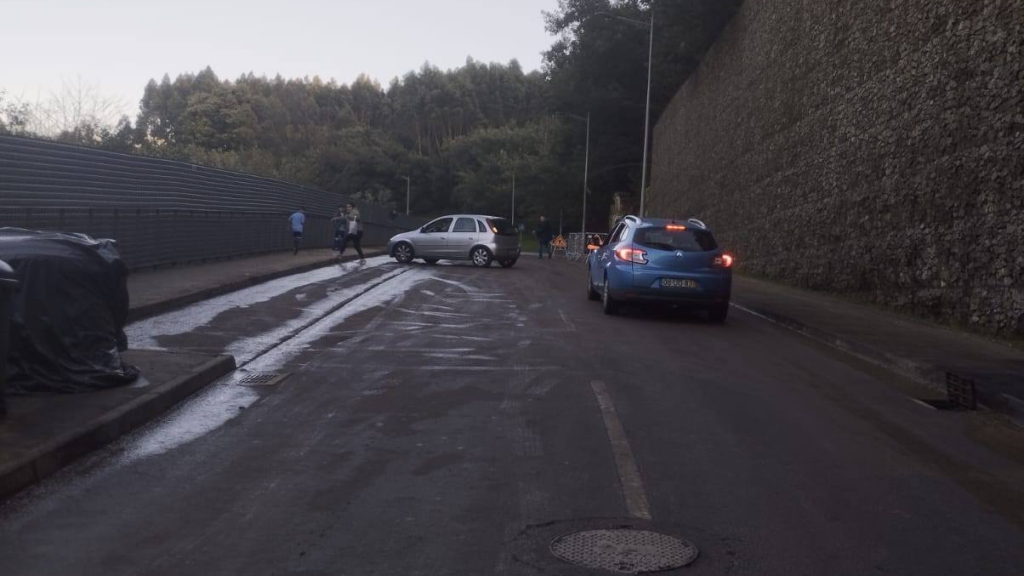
(917, 349)
(157, 291)
(42, 434)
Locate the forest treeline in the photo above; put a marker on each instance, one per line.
(460, 135)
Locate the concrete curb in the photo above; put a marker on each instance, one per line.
(49, 458)
(156, 308)
(931, 376)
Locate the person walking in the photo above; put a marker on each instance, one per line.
(298, 226)
(543, 234)
(340, 224)
(353, 232)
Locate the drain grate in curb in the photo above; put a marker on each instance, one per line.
(262, 379)
(625, 551)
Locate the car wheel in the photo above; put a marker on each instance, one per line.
(718, 312)
(508, 263)
(431, 260)
(481, 257)
(403, 253)
(591, 293)
(608, 304)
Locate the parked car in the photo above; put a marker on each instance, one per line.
(659, 260)
(479, 239)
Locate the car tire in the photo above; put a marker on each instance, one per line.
(608, 304)
(481, 257)
(718, 313)
(431, 261)
(403, 252)
(592, 294)
(508, 263)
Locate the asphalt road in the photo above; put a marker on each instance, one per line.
(452, 420)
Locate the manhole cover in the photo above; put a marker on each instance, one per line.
(624, 550)
(262, 379)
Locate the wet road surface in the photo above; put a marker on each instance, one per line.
(450, 420)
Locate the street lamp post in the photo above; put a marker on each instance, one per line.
(586, 168)
(408, 190)
(513, 197)
(647, 113)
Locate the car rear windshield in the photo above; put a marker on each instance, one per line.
(503, 226)
(687, 240)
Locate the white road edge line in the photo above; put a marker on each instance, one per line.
(629, 474)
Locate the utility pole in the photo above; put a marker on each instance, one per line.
(513, 197)
(647, 116)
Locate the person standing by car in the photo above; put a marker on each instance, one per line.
(354, 232)
(543, 234)
(340, 223)
(298, 226)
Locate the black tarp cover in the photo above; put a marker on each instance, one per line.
(69, 313)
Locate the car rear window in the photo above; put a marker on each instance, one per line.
(684, 240)
(503, 226)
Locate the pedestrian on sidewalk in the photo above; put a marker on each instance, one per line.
(298, 226)
(543, 234)
(340, 223)
(353, 232)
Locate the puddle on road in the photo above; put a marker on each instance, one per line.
(143, 334)
(226, 399)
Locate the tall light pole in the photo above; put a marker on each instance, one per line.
(408, 190)
(586, 168)
(513, 197)
(647, 114)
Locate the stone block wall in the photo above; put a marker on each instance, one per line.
(872, 148)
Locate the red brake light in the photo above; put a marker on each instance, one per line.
(675, 227)
(631, 255)
(723, 261)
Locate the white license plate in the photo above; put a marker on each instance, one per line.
(675, 283)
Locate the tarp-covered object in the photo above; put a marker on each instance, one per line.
(69, 313)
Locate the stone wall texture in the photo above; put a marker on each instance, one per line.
(873, 148)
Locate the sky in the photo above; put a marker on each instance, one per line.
(116, 46)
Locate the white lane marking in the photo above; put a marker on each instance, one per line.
(629, 474)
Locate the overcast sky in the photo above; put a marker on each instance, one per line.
(118, 45)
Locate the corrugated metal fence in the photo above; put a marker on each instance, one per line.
(165, 212)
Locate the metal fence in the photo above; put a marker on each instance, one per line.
(165, 212)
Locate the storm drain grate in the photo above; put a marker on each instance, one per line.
(262, 379)
(625, 551)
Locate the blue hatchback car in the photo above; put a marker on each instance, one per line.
(659, 260)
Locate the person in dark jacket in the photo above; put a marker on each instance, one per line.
(543, 234)
(340, 224)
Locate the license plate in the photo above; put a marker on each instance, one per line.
(676, 283)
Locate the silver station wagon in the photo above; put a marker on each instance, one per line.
(479, 239)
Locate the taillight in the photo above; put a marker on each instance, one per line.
(723, 261)
(632, 255)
